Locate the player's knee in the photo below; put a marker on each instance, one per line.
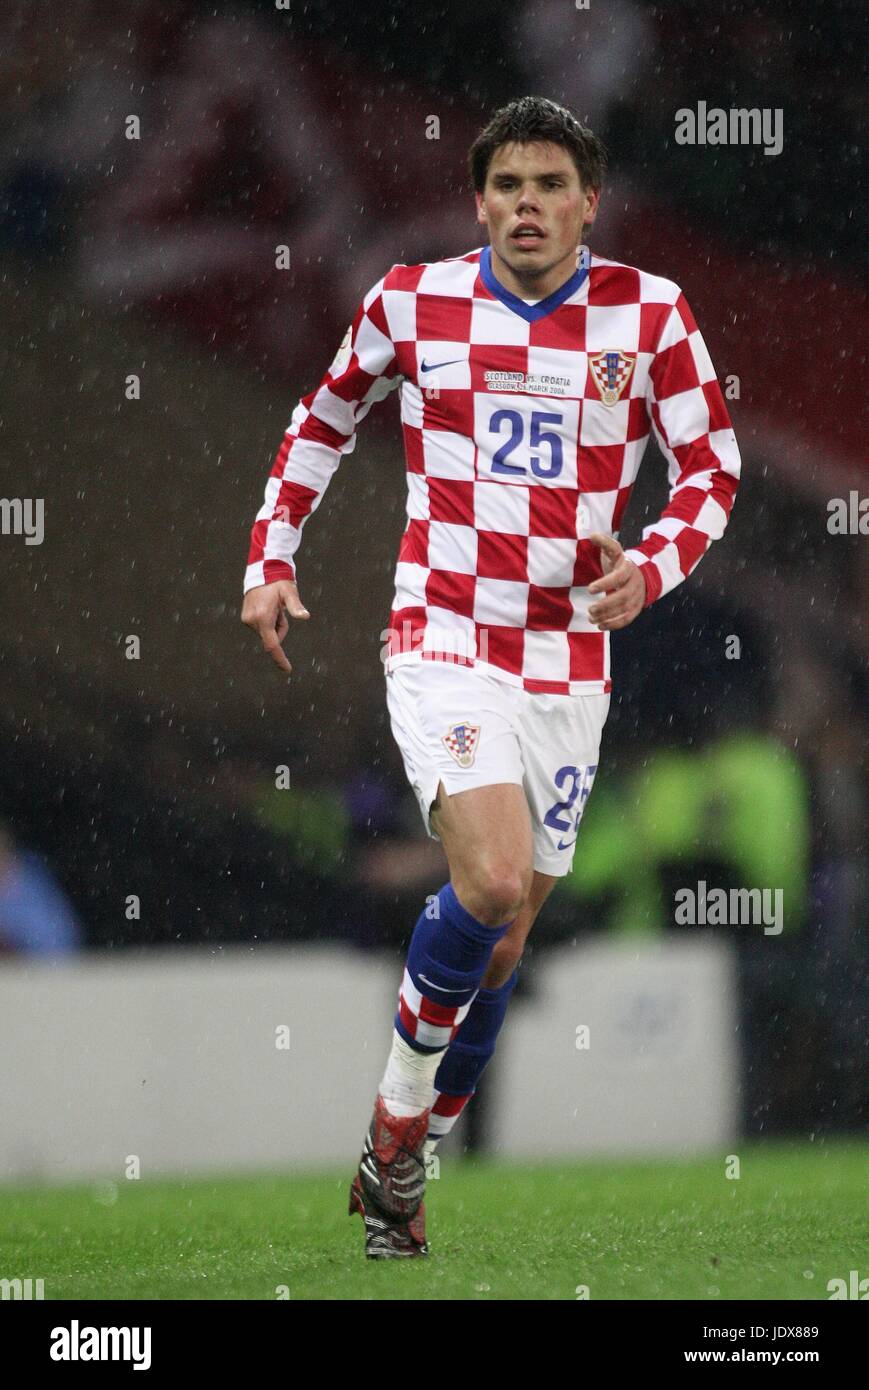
(500, 889)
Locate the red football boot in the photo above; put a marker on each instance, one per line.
(389, 1186)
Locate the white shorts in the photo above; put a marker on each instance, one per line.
(455, 725)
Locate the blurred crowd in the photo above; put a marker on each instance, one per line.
(172, 148)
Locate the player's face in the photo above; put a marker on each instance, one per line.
(535, 207)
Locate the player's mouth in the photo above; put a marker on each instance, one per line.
(528, 235)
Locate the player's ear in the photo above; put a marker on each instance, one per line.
(481, 214)
(592, 203)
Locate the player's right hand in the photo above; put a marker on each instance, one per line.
(265, 610)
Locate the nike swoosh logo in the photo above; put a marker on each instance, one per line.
(433, 366)
(440, 988)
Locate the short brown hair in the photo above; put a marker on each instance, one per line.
(538, 118)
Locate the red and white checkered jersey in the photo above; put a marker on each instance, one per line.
(524, 427)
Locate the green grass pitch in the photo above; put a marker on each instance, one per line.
(794, 1219)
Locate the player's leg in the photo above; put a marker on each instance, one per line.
(486, 831)
(487, 838)
(560, 742)
(473, 1047)
(486, 834)
(507, 953)
(456, 731)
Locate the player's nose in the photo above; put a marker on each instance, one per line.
(529, 205)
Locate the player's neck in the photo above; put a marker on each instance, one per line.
(534, 286)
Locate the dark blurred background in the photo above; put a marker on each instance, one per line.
(138, 797)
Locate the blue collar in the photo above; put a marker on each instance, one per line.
(530, 312)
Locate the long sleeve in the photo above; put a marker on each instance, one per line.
(322, 429)
(692, 427)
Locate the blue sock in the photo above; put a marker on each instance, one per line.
(473, 1047)
(446, 961)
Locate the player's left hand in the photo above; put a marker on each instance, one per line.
(621, 582)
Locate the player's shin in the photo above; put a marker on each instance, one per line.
(466, 1059)
(448, 955)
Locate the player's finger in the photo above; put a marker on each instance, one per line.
(608, 544)
(616, 579)
(618, 597)
(271, 640)
(610, 552)
(614, 607)
(620, 621)
(603, 612)
(289, 593)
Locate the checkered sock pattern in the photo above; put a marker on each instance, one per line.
(446, 961)
(467, 1057)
